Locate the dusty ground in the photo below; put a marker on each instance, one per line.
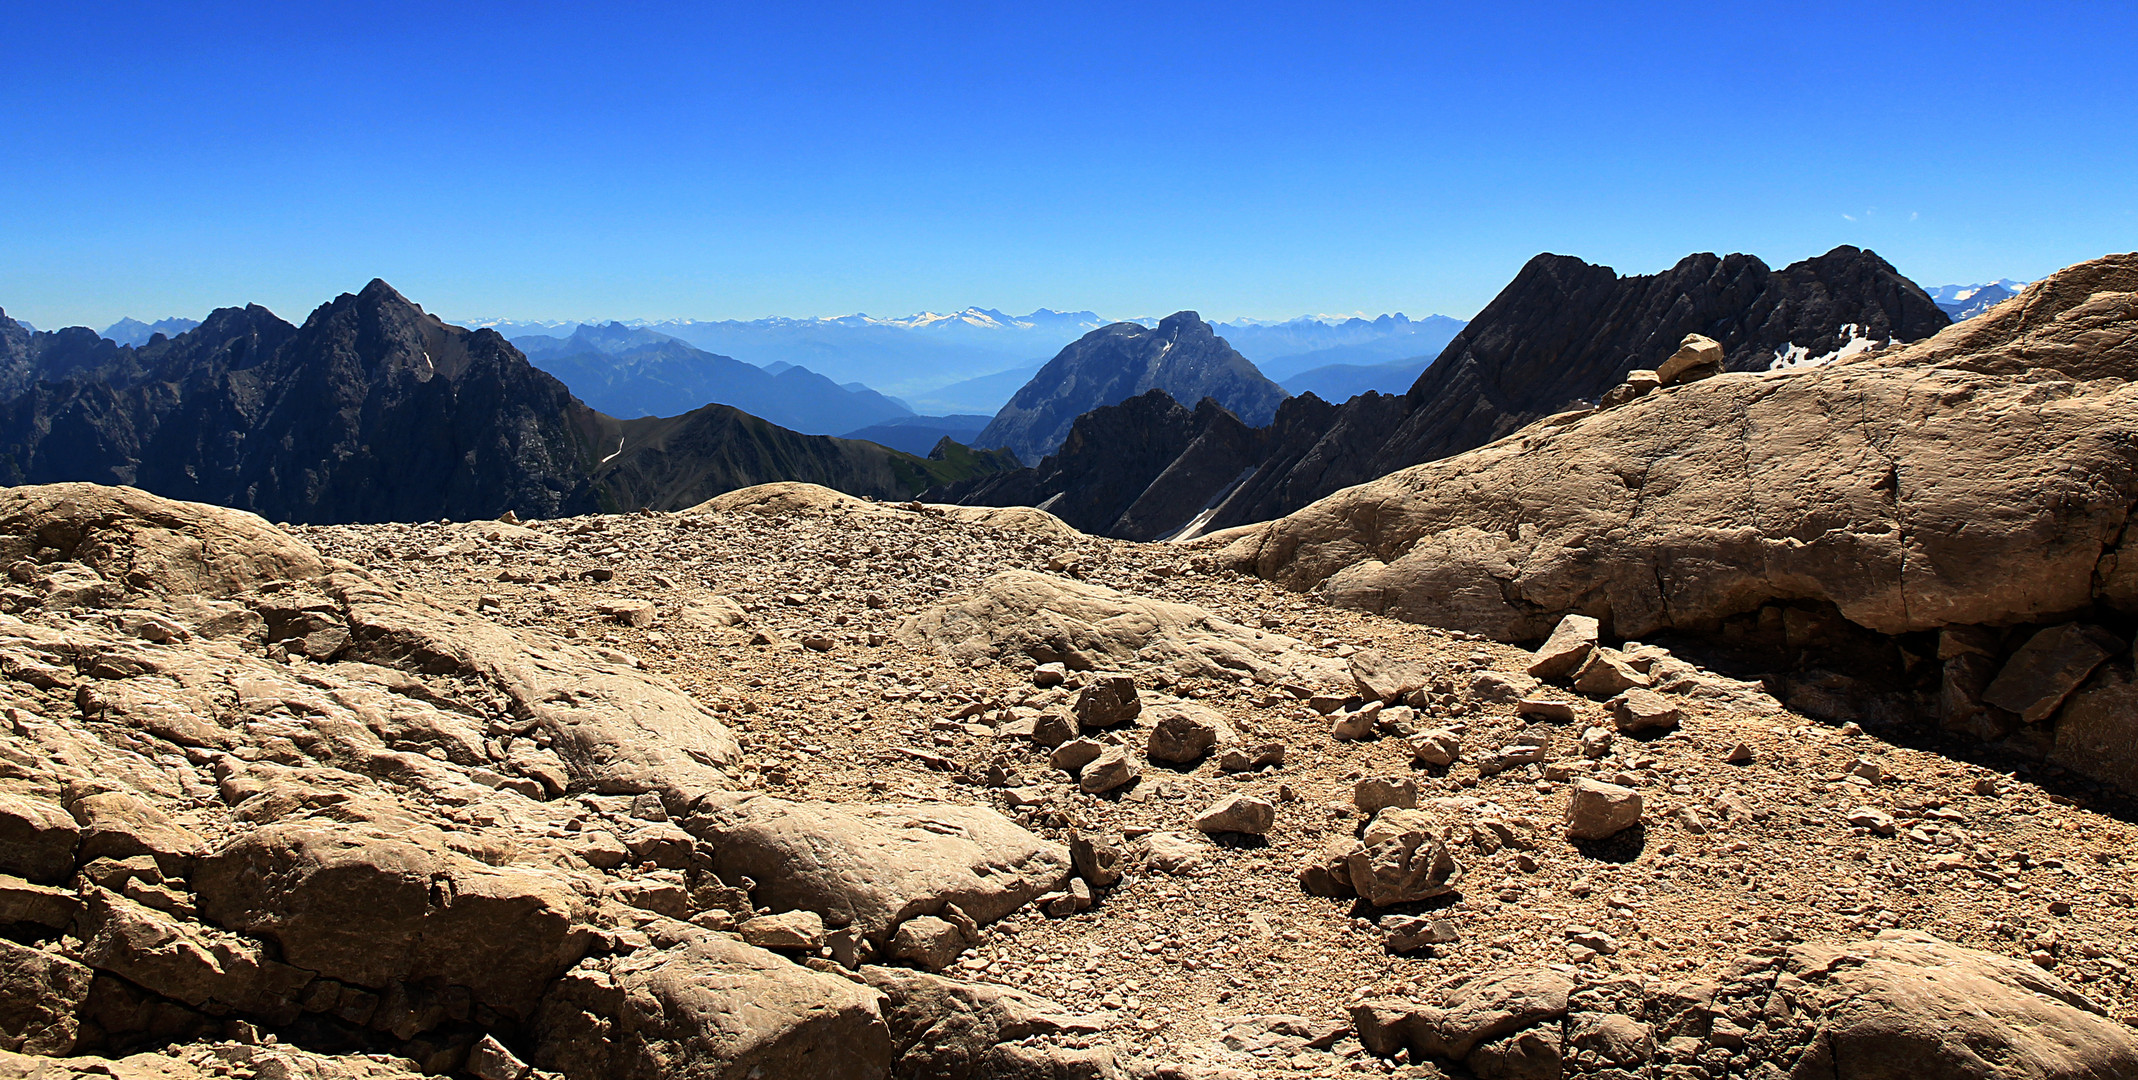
(1733, 858)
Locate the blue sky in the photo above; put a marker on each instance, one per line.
(715, 161)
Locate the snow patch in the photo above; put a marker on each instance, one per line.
(1797, 356)
(619, 450)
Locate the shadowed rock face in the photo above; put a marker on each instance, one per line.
(374, 410)
(1115, 363)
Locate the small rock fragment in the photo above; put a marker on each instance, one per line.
(1596, 810)
(1238, 814)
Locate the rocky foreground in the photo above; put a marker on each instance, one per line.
(797, 785)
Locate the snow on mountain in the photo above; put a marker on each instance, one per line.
(1964, 302)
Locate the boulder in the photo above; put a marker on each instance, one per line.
(371, 907)
(1698, 357)
(1438, 746)
(952, 1030)
(1563, 653)
(1908, 1004)
(1238, 814)
(121, 824)
(2045, 670)
(1639, 709)
(713, 1009)
(1171, 853)
(40, 905)
(1596, 810)
(1096, 860)
(1915, 488)
(1107, 701)
(2094, 733)
(871, 867)
(1382, 679)
(1376, 793)
(195, 965)
(37, 839)
(1476, 1011)
(1184, 733)
(41, 999)
(1606, 673)
(150, 543)
(788, 931)
(1413, 864)
(1110, 770)
(928, 942)
(1073, 755)
(1054, 619)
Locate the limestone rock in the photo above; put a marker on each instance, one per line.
(1595, 810)
(1411, 865)
(1096, 860)
(711, 1008)
(186, 962)
(2045, 670)
(1438, 746)
(1698, 357)
(1639, 709)
(956, 1030)
(2094, 733)
(1107, 701)
(871, 867)
(119, 824)
(928, 942)
(801, 931)
(41, 999)
(1607, 673)
(40, 905)
(1184, 733)
(1375, 793)
(1238, 814)
(37, 838)
(1907, 1004)
(374, 908)
(1563, 653)
(1054, 619)
(1382, 679)
(1170, 853)
(1111, 769)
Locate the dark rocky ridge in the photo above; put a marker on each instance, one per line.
(1181, 356)
(374, 410)
(1555, 338)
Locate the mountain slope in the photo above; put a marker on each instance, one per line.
(1342, 382)
(921, 434)
(631, 371)
(1181, 356)
(1556, 337)
(374, 410)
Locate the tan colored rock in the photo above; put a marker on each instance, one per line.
(1382, 679)
(929, 943)
(1111, 769)
(1607, 673)
(787, 498)
(150, 543)
(1698, 357)
(186, 962)
(2045, 670)
(872, 867)
(2095, 732)
(373, 908)
(1563, 653)
(1107, 700)
(1183, 733)
(41, 905)
(119, 824)
(1596, 810)
(1020, 611)
(1438, 746)
(711, 1008)
(788, 930)
(1749, 488)
(41, 999)
(1411, 865)
(1238, 814)
(1908, 1004)
(37, 838)
(958, 1030)
(1376, 793)
(1639, 709)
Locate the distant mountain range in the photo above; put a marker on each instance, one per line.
(1181, 355)
(374, 410)
(628, 371)
(135, 332)
(1964, 302)
(921, 434)
(971, 361)
(1559, 335)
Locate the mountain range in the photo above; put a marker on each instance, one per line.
(374, 410)
(1554, 339)
(631, 371)
(1181, 355)
(1964, 302)
(136, 333)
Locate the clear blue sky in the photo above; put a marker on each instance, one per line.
(714, 161)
